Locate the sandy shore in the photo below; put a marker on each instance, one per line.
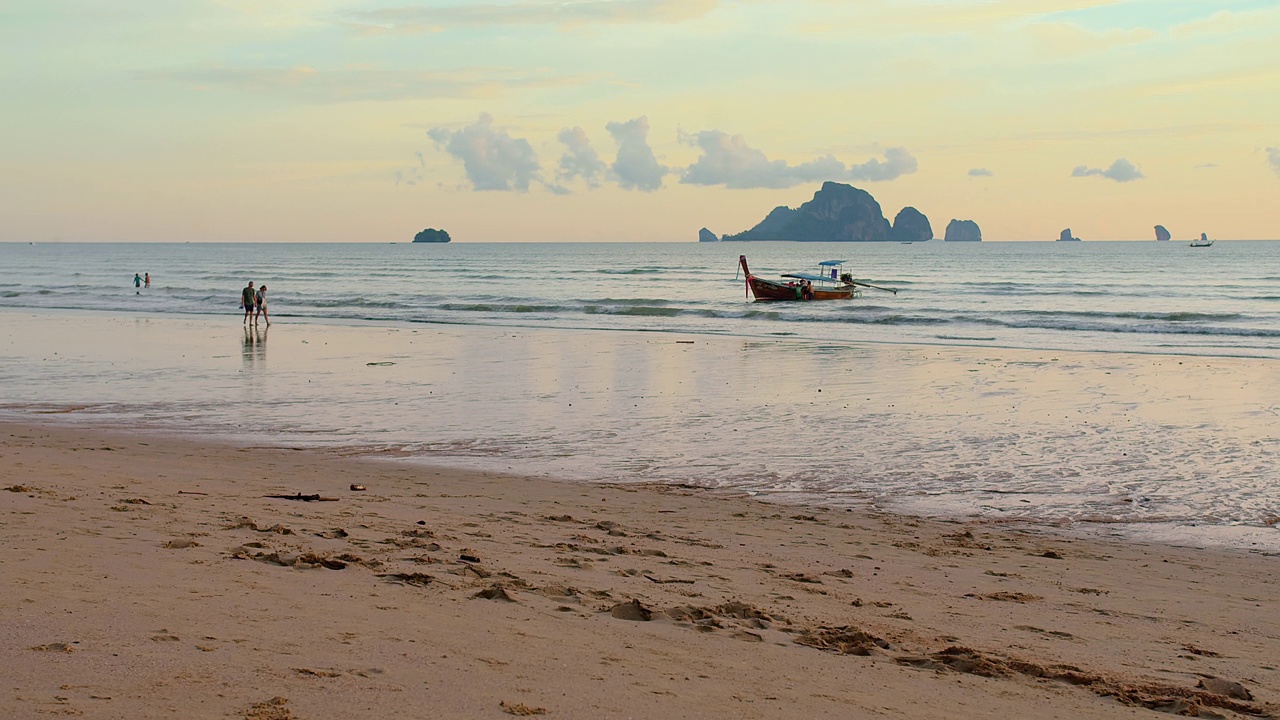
(152, 577)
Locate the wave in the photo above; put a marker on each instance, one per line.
(632, 271)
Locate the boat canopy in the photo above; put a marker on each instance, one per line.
(829, 263)
(810, 277)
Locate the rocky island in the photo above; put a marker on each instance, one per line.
(1162, 235)
(705, 235)
(1066, 236)
(963, 231)
(910, 225)
(431, 235)
(837, 213)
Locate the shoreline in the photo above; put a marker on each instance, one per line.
(1109, 442)
(943, 343)
(477, 594)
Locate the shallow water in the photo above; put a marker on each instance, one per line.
(1137, 442)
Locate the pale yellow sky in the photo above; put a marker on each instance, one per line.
(364, 120)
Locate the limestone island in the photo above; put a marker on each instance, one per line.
(705, 235)
(1162, 235)
(963, 231)
(1066, 236)
(431, 235)
(910, 225)
(838, 213)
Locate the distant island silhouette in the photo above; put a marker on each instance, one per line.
(837, 213)
(431, 235)
(963, 231)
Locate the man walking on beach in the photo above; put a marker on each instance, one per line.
(247, 301)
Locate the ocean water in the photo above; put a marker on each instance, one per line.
(1125, 387)
(1115, 296)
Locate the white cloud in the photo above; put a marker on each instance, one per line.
(309, 84)
(1121, 171)
(493, 159)
(635, 168)
(413, 175)
(897, 162)
(980, 172)
(728, 160)
(1273, 159)
(415, 19)
(580, 160)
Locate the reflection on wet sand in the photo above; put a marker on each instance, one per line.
(255, 346)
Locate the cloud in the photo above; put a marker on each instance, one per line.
(417, 19)
(493, 159)
(351, 85)
(413, 175)
(980, 172)
(897, 162)
(580, 160)
(635, 167)
(1273, 159)
(1121, 171)
(728, 160)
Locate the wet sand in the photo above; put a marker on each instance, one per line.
(146, 576)
(1153, 446)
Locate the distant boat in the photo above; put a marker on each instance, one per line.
(1204, 241)
(830, 283)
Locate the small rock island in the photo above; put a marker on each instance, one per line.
(963, 231)
(431, 235)
(911, 225)
(705, 235)
(1066, 236)
(1162, 235)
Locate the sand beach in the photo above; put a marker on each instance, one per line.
(147, 576)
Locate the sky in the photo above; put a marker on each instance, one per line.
(632, 120)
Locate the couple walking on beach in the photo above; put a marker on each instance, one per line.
(254, 303)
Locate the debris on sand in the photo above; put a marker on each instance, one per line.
(521, 709)
(631, 610)
(273, 709)
(303, 498)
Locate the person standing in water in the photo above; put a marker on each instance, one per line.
(146, 280)
(137, 284)
(261, 301)
(248, 298)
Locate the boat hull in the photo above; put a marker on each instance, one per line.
(767, 290)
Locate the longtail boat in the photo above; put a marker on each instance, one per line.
(829, 283)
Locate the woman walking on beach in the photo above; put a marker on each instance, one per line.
(248, 299)
(261, 301)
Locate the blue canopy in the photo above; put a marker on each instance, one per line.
(829, 263)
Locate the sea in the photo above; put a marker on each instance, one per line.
(1118, 387)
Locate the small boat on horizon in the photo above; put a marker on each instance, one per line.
(1204, 241)
(829, 283)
